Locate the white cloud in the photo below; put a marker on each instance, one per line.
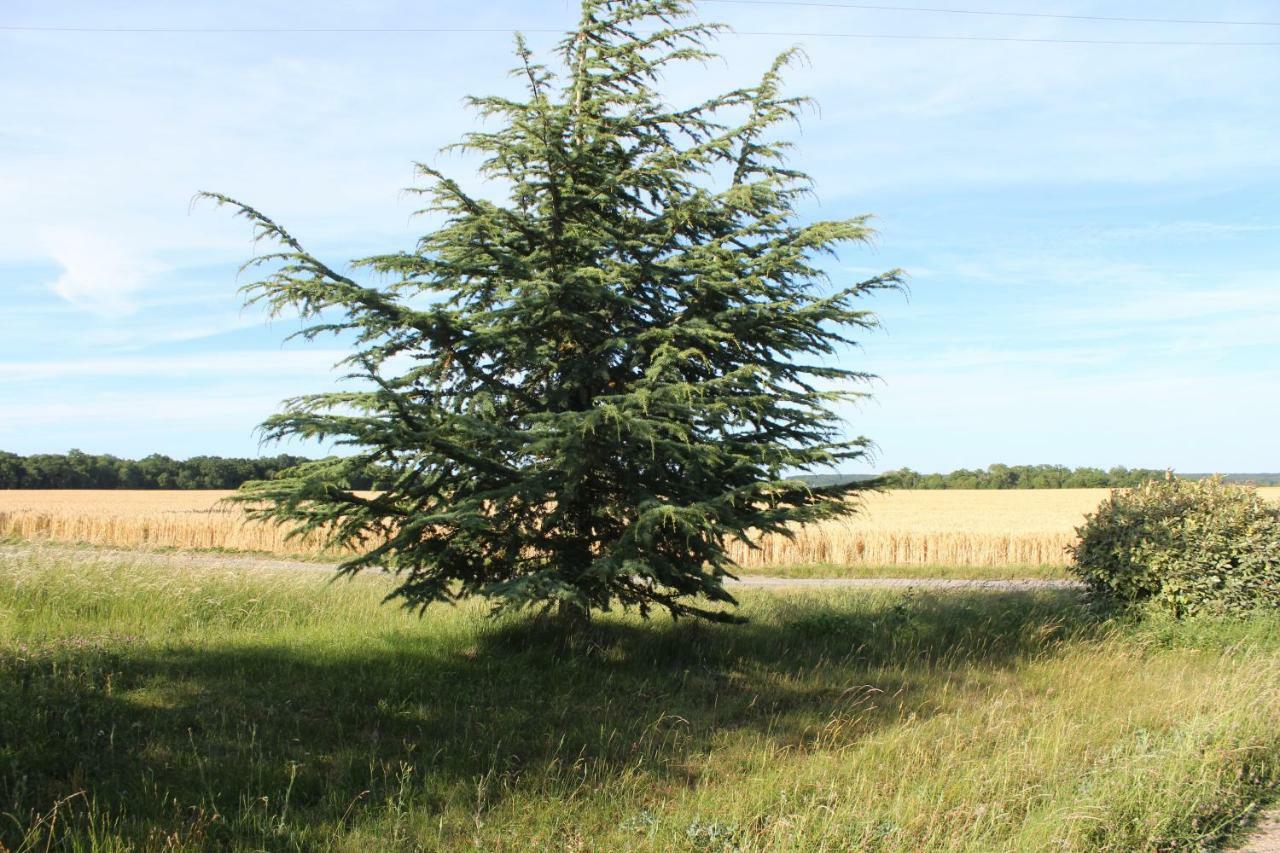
(216, 409)
(1161, 230)
(154, 329)
(1171, 304)
(99, 274)
(303, 363)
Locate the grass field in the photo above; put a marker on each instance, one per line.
(148, 707)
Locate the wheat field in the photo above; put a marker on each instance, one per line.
(894, 528)
(942, 528)
(190, 519)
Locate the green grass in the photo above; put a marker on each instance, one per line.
(89, 548)
(806, 571)
(908, 571)
(145, 707)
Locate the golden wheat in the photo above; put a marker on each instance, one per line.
(942, 528)
(1022, 527)
(142, 519)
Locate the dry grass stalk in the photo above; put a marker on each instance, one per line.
(976, 528)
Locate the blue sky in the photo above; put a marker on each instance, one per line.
(1092, 231)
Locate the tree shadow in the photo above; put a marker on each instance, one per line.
(235, 742)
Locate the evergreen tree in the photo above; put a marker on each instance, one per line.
(575, 397)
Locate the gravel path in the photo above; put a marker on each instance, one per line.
(1266, 838)
(251, 562)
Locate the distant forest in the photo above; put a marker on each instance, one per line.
(78, 470)
(1023, 477)
(1033, 477)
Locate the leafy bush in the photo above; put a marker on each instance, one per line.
(1186, 546)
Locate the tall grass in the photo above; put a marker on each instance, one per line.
(146, 706)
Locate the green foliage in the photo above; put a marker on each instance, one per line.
(79, 470)
(1186, 546)
(1022, 477)
(578, 394)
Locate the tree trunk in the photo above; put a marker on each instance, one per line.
(572, 616)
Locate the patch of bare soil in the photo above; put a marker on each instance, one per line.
(1266, 838)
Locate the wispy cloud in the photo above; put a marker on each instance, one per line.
(1150, 417)
(99, 274)
(222, 365)
(1165, 230)
(157, 330)
(221, 409)
(1171, 304)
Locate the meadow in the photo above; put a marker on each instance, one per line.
(153, 701)
(148, 706)
(911, 533)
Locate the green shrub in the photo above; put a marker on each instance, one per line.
(1185, 546)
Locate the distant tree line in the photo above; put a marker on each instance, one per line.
(1019, 477)
(79, 470)
(1023, 477)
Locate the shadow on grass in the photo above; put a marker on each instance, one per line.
(241, 743)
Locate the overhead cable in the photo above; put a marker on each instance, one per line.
(776, 33)
(993, 13)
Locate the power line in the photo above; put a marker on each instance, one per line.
(1024, 40)
(458, 30)
(939, 11)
